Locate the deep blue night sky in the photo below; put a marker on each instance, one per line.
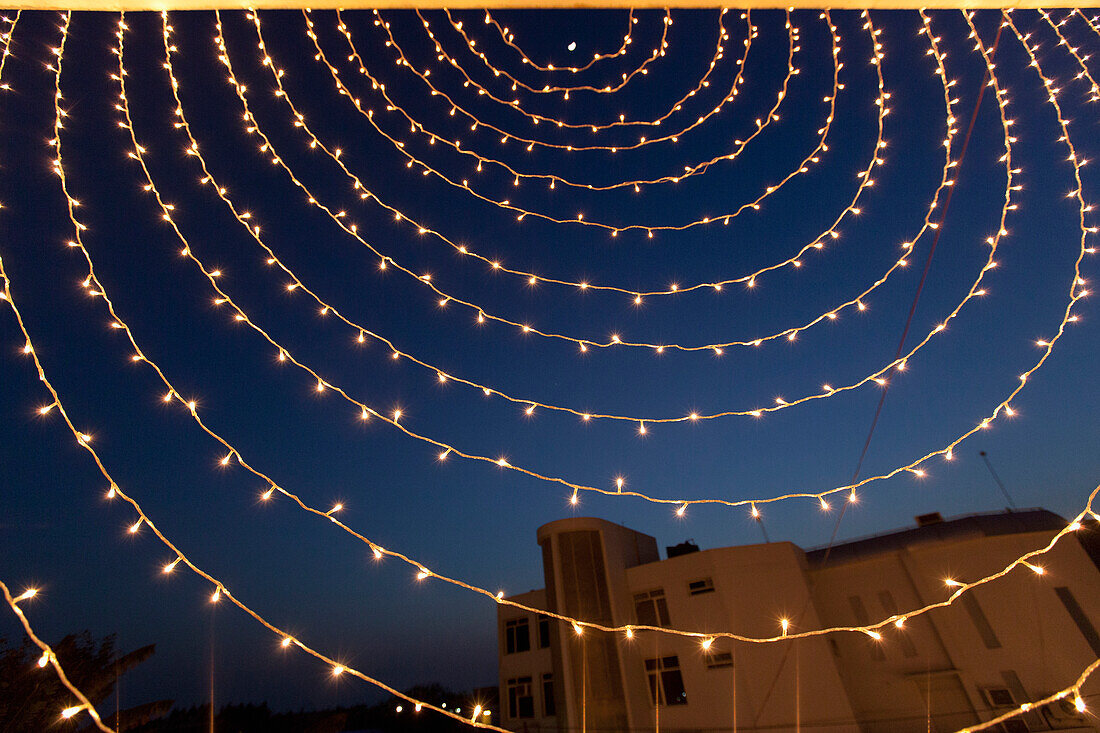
(474, 520)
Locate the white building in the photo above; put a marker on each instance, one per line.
(1013, 640)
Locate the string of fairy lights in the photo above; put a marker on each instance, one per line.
(445, 298)
(137, 154)
(1093, 23)
(1094, 89)
(660, 50)
(93, 283)
(444, 56)
(49, 657)
(531, 143)
(403, 60)
(532, 278)
(447, 450)
(325, 308)
(517, 176)
(5, 39)
(627, 77)
(95, 288)
(509, 38)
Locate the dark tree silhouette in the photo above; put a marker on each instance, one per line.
(32, 697)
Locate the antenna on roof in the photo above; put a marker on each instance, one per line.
(1011, 504)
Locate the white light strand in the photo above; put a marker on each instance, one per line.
(50, 658)
(402, 60)
(625, 77)
(180, 558)
(584, 344)
(946, 451)
(328, 308)
(1094, 88)
(531, 278)
(509, 39)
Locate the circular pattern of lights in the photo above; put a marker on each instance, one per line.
(212, 178)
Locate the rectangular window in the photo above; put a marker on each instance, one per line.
(890, 606)
(549, 709)
(651, 609)
(718, 660)
(981, 623)
(699, 587)
(999, 697)
(521, 703)
(544, 631)
(666, 686)
(1079, 618)
(517, 636)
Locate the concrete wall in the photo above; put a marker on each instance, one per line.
(1025, 635)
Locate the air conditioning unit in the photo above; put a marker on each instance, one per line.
(1062, 714)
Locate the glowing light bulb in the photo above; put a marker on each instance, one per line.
(706, 643)
(70, 712)
(578, 629)
(337, 670)
(629, 633)
(216, 595)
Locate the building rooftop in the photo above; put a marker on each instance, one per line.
(972, 525)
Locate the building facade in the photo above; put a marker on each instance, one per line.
(1016, 639)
